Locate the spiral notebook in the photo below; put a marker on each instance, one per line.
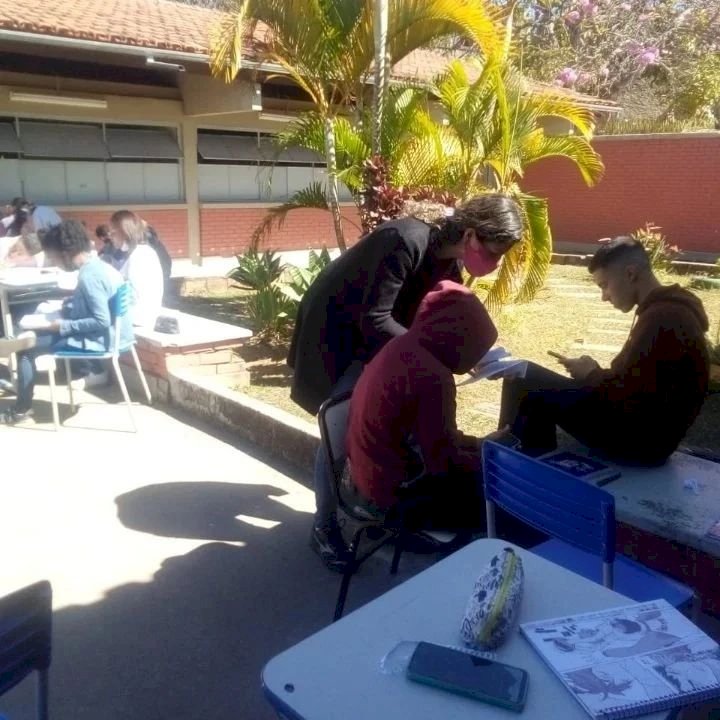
(629, 661)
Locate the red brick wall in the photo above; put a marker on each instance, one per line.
(672, 181)
(171, 224)
(227, 231)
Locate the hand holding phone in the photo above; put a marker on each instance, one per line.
(468, 674)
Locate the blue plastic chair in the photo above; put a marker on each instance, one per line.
(119, 307)
(579, 517)
(25, 640)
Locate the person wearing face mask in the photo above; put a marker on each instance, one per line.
(86, 323)
(368, 296)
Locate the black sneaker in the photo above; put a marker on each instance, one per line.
(330, 545)
(13, 417)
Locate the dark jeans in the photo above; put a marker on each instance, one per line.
(535, 406)
(26, 371)
(325, 504)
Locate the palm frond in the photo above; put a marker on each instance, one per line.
(313, 196)
(537, 246)
(415, 23)
(503, 288)
(226, 43)
(538, 145)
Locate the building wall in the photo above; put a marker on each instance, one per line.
(226, 229)
(670, 180)
(170, 222)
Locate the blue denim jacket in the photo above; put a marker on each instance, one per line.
(89, 324)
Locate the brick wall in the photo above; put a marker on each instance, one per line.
(171, 224)
(672, 181)
(226, 230)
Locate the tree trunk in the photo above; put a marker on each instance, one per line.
(332, 183)
(380, 30)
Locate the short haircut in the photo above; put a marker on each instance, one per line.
(102, 231)
(69, 237)
(620, 250)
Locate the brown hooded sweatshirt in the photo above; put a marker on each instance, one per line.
(657, 384)
(408, 390)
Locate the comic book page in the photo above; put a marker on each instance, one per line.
(627, 657)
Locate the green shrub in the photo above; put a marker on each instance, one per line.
(655, 243)
(257, 271)
(270, 312)
(300, 279)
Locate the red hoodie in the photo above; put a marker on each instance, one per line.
(408, 390)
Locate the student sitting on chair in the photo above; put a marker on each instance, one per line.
(638, 410)
(403, 442)
(87, 323)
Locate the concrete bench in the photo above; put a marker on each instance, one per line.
(664, 515)
(202, 347)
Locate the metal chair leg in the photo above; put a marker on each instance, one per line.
(43, 685)
(399, 546)
(68, 379)
(347, 575)
(123, 388)
(53, 395)
(140, 372)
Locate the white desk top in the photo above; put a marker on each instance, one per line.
(336, 672)
(28, 278)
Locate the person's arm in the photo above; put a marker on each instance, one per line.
(442, 445)
(384, 283)
(99, 319)
(634, 370)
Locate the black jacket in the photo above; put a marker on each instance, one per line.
(361, 300)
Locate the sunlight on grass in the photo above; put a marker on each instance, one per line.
(567, 316)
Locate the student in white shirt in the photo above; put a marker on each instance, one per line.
(142, 269)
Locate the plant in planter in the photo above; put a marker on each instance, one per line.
(269, 309)
(660, 252)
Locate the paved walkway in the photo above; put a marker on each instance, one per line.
(179, 564)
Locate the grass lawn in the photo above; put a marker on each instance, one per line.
(567, 316)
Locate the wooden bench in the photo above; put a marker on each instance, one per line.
(203, 347)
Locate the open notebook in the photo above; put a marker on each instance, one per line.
(629, 661)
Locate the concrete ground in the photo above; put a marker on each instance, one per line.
(178, 559)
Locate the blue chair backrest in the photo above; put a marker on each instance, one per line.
(25, 632)
(550, 500)
(120, 302)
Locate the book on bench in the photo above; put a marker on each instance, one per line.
(629, 661)
(583, 467)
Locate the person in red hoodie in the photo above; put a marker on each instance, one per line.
(403, 441)
(638, 410)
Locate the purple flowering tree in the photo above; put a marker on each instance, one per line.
(610, 47)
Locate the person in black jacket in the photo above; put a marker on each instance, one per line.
(369, 295)
(152, 239)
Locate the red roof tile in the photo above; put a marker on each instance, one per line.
(168, 25)
(158, 24)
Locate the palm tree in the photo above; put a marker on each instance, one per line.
(327, 48)
(493, 129)
(380, 30)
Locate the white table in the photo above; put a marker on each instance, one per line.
(24, 280)
(336, 672)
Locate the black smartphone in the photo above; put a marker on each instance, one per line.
(466, 674)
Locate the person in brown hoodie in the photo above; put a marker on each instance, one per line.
(638, 410)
